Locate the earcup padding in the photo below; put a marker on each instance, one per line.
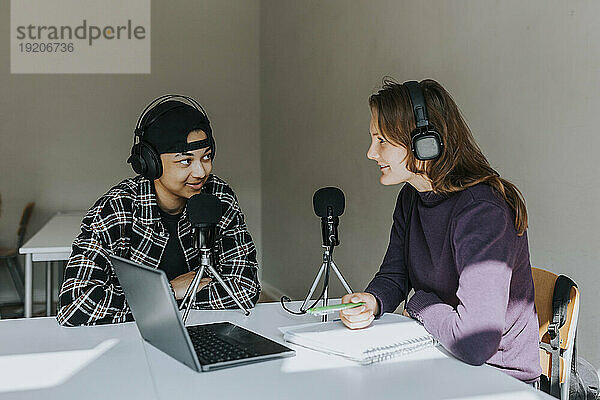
(426, 134)
(146, 161)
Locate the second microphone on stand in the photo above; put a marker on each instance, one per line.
(329, 204)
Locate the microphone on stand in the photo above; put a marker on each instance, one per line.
(204, 211)
(329, 204)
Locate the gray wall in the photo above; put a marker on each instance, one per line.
(288, 102)
(525, 75)
(65, 138)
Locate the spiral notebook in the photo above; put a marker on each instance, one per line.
(388, 337)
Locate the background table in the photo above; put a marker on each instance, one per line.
(51, 243)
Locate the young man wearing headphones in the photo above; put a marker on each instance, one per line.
(145, 220)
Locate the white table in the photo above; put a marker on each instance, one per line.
(51, 243)
(431, 374)
(40, 359)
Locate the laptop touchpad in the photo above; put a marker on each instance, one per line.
(242, 335)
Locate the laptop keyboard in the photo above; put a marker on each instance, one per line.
(212, 349)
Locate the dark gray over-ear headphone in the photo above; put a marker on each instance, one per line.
(426, 142)
(144, 158)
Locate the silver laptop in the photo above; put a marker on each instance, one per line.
(201, 347)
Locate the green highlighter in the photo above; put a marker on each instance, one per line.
(332, 309)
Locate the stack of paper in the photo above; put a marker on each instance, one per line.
(390, 336)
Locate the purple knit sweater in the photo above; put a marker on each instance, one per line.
(471, 275)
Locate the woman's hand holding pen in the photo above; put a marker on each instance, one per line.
(359, 317)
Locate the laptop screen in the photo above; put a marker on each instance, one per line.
(154, 308)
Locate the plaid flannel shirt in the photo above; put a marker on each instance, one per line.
(126, 222)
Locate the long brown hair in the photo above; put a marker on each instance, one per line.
(461, 164)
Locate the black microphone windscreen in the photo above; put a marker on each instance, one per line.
(204, 208)
(329, 197)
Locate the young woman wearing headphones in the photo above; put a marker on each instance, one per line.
(458, 237)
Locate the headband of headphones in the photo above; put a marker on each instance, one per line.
(166, 122)
(418, 103)
(162, 99)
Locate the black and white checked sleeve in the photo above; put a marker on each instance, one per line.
(90, 293)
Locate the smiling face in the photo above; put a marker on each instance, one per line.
(391, 160)
(183, 175)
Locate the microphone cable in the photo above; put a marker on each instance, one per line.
(286, 299)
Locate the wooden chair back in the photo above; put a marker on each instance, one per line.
(544, 282)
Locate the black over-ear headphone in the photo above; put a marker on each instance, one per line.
(144, 158)
(426, 142)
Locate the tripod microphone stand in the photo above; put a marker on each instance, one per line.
(204, 212)
(205, 263)
(326, 267)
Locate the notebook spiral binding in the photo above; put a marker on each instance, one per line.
(382, 353)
